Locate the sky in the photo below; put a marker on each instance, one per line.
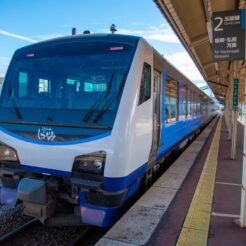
(23, 22)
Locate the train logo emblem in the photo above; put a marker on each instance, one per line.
(46, 134)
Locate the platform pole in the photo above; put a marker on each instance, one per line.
(234, 136)
(230, 117)
(243, 192)
(234, 115)
(227, 113)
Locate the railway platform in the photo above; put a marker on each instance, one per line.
(195, 202)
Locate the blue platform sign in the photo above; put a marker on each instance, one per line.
(235, 94)
(205, 87)
(229, 35)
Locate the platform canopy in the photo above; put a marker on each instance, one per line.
(191, 20)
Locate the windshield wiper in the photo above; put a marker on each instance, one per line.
(13, 104)
(16, 109)
(99, 101)
(109, 101)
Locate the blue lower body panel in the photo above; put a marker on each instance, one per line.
(105, 216)
(97, 215)
(8, 196)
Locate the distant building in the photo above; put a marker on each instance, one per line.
(1, 83)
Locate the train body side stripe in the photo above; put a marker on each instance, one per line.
(121, 183)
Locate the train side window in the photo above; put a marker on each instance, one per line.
(204, 106)
(184, 103)
(193, 110)
(145, 87)
(198, 104)
(197, 111)
(189, 102)
(171, 100)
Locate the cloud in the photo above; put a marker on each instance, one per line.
(183, 62)
(161, 33)
(164, 34)
(13, 35)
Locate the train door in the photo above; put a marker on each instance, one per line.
(156, 117)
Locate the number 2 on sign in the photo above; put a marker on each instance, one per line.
(218, 27)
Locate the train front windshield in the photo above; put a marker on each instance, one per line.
(86, 78)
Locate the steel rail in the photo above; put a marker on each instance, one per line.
(10, 234)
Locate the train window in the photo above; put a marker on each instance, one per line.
(197, 110)
(94, 87)
(193, 107)
(145, 88)
(75, 83)
(184, 101)
(198, 104)
(22, 84)
(195, 103)
(43, 85)
(171, 100)
(204, 105)
(189, 102)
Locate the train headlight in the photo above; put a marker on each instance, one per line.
(7, 153)
(98, 164)
(90, 163)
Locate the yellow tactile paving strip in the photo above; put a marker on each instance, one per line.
(196, 225)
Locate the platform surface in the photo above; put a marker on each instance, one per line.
(196, 202)
(225, 208)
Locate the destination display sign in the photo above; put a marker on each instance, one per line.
(235, 94)
(229, 35)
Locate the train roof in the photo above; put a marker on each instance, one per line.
(175, 73)
(82, 38)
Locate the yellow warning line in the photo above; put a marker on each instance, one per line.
(196, 225)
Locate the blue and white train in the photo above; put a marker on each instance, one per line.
(85, 119)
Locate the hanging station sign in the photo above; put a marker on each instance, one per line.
(229, 35)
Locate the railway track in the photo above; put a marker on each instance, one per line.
(19, 229)
(38, 234)
(15, 231)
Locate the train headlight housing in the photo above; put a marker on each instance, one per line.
(7, 153)
(90, 163)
